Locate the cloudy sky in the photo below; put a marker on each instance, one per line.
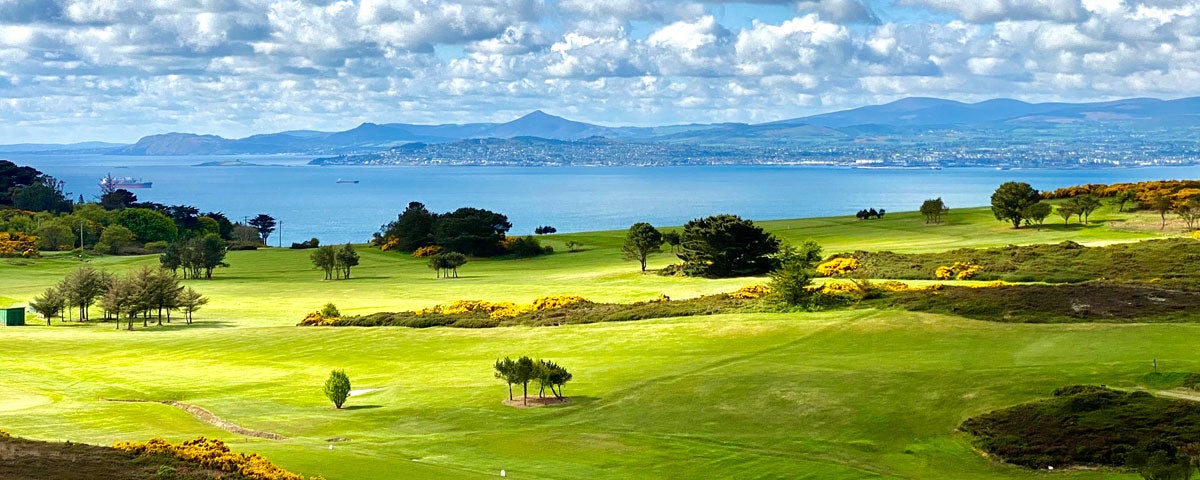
(115, 70)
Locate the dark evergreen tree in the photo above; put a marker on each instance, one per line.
(726, 246)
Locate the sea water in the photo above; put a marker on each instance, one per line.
(310, 203)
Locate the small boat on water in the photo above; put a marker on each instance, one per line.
(111, 182)
(347, 181)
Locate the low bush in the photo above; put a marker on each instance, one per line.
(310, 243)
(1086, 426)
(240, 245)
(561, 310)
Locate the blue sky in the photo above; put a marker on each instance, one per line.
(116, 70)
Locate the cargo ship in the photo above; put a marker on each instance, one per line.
(111, 182)
(347, 181)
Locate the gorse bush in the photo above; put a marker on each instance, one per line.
(751, 292)
(18, 245)
(214, 454)
(423, 252)
(838, 266)
(958, 271)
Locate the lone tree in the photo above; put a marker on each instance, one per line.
(641, 241)
(507, 370)
(726, 246)
(933, 209)
(265, 224)
(1011, 199)
(337, 387)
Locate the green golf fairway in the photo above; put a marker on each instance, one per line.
(857, 393)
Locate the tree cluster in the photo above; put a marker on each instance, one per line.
(117, 224)
(544, 230)
(523, 370)
(470, 231)
(336, 262)
(870, 213)
(933, 209)
(145, 292)
(726, 246)
(1012, 202)
(195, 256)
(446, 264)
(26, 188)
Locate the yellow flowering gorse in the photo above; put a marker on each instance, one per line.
(751, 292)
(501, 310)
(838, 266)
(958, 271)
(212, 453)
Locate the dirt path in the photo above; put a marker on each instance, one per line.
(1195, 397)
(208, 417)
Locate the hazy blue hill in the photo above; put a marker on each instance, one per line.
(177, 144)
(923, 112)
(445, 131)
(374, 135)
(906, 121)
(60, 147)
(543, 125)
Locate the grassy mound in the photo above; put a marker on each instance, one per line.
(1168, 262)
(1069, 303)
(580, 313)
(1085, 426)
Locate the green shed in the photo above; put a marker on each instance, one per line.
(13, 317)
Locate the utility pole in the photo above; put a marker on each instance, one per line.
(281, 234)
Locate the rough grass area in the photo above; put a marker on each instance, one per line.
(580, 313)
(1085, 426)
(1172, 263)
(1090, 302)
(22, 459)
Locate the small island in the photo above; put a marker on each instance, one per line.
(228, 163)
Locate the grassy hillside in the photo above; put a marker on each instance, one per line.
(846, 394)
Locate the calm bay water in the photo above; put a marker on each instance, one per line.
(311, 204)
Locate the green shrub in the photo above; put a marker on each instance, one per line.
(337, 387)
(330, 311)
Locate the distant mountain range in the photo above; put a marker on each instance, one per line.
(908, 120)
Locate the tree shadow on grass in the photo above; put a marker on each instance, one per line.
(360, 407)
